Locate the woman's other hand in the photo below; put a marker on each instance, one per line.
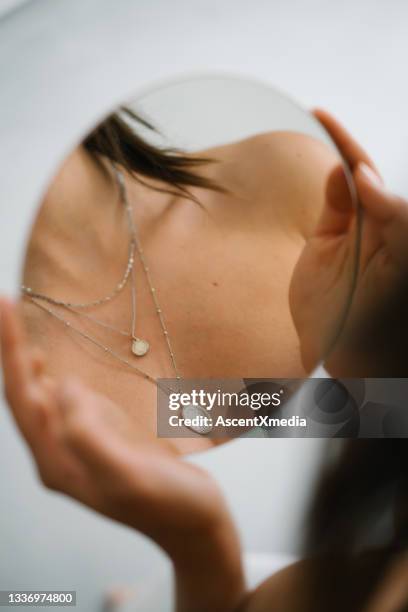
(371, 340)
(82, 445)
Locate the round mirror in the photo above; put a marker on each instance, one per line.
(166, 245)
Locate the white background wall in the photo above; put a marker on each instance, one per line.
(348, 56)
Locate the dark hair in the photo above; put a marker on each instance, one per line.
(356, 494)
(116, 139)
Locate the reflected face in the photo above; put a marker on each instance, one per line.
(180, 264)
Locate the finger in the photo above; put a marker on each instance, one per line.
(85, 431)
(347, 145)
(338, 209)
(16, 362)
(376, 200)
(37, 362)
(22, 391)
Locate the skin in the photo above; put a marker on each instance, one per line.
(285, 591)
(96, 461)
(221, 270)
(321, 278)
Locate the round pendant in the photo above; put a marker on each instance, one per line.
(202, 420)
(139, 347)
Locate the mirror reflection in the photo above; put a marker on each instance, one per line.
(171, 244)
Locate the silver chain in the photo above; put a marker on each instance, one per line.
(135, 244)
(93, 319)
(129, 271)
(30, 292)
(106, 349)
(159, 311)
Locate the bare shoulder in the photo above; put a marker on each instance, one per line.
(283, 155)
(283, 174)
(289, 589)
(284, 591)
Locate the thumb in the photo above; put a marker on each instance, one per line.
(88, 433)
(387, 211)
(70, 396)
(375, 199)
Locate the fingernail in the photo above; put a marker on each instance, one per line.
(370, 175)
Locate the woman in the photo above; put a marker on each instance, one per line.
(177, 505)
(220, 240)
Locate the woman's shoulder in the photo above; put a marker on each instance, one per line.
(280, 174)
(292, 587)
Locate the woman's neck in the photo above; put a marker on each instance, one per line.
(79, 241)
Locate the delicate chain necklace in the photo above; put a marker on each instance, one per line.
(99, 301)
(189, 411)
(138, 346)
(106, 349)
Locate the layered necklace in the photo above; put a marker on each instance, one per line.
(138, 346)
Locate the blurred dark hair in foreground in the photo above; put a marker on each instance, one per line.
(358, 524)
